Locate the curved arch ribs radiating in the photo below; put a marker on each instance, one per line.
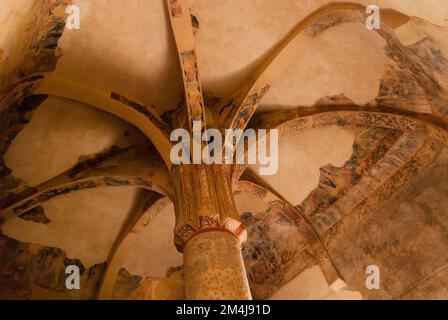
(411, 154)
(417, 147)
(354, 116)
(254, 185)
(237, 111)
(132, 232)
(121, 167)
(292, 121)
(144, 118)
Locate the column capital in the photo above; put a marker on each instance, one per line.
(204, 202)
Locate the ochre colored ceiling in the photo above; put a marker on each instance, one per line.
(127, 47)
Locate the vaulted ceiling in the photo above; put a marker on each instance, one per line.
(362, 116)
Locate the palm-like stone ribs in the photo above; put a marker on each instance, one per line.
(396, 136)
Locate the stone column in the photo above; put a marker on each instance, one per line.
(214, 268)
(209, 233)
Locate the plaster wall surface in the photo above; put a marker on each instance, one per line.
(59, 133)
(302, 154)
(405, 238)
(233, 37)
(127, 47)
(84, 224)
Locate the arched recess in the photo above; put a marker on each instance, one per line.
(313, 242)
(237, 111)
(423, 136)
(409, 156)
(34, 57)
(290, 122)
(144, 118)
(132, 232)
(128, 167)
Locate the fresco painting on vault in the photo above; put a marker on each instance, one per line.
(223, 150)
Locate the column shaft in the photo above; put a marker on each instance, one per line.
(209, 233)
(214, 268)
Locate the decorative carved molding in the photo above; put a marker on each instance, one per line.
(407, 122)
(149, 113)
(204, 202)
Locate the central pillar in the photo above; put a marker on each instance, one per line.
(214, 268)
(209, 233)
